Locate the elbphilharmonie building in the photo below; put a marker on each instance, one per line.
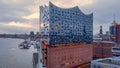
(65, 25)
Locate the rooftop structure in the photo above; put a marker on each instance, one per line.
(65, 25)
(106, 63)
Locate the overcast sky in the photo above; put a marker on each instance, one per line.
(18, 16)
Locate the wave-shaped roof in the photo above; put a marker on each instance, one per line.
(75, 7)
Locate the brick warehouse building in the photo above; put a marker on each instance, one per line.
(102, 49)
(67, 56)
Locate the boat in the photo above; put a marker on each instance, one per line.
(24, 45)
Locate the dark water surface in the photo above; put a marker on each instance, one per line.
(13, 57)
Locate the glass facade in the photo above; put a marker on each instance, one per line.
(113, 33)
(112, 30)
(65, 25)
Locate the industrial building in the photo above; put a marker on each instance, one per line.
(65, 25)
(106, 63)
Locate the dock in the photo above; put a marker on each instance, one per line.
(35, 59)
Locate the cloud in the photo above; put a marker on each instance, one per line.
(13, 10)
(18, 3)
(32, 16)
(83, 2)
(72, 3)
(104, 10)
(17, 24)
(18, 28)
(12, 15)
(17, 13)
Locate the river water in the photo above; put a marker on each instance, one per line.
(13, 57)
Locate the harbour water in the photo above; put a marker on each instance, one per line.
(13, 57)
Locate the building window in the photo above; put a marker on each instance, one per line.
(62, 65)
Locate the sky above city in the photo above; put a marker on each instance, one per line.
(18, 16)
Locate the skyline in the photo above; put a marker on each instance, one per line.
(23, 16)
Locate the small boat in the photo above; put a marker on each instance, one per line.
(24, 45)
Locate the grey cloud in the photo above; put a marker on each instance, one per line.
(14, 12)
(7, 19)
(17, 30)
(103, 11)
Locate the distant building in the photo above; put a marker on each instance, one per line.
(37, 33)
(32, 33)
(107, 32)
(118, 33)
(102, 49)
(106, 63)
(105, 37)
(65, 25)
(113, 31)
(101, 36)
(101, 32)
